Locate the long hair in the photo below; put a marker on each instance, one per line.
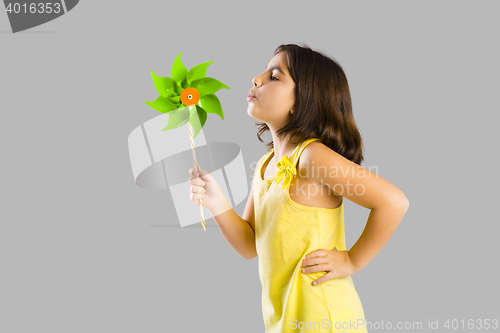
(323, 107)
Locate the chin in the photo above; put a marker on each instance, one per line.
(255, 113)
(252, 114)
(250, 111)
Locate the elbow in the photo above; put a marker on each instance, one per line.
(401, 202)
(405, 203)
(402, 206)
(251, 256)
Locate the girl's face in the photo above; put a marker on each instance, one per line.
(274, 94)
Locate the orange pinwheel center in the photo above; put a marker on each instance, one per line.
(190, 96)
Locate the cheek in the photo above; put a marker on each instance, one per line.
(292, 94)
(281, 96)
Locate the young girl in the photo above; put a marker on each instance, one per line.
(294, 217)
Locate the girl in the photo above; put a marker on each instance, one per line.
(294, 217)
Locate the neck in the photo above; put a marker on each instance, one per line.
(281, 146)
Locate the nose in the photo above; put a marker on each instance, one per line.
(255, 81)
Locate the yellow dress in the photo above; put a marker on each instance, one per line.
(285, 232)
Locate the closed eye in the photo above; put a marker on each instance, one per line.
(272, 77)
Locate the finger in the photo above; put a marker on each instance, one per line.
(326, 277)
(196, 181)
(314, 261)
(196, 197)
(317, 268)
(318, 253)
(194, 172)
(198, 189)
(202, 171)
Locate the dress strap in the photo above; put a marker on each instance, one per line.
(264, 160)
(287, 166)
(296, 154)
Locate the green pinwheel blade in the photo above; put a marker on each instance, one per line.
(164, 85)
(197, 112)
(175, 99)
(197, 72)
(211, 104)
(208, 86)
(178, 72)
(177, 118)
(162, 104)
(178, 89)
(202, 114)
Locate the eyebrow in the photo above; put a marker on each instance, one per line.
(276, 67)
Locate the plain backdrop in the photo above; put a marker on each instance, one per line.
(84, 249)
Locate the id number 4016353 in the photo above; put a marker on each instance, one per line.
(34, 8)
(471, 324)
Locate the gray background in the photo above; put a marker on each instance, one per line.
(84, 249)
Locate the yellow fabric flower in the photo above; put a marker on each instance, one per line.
(286, 170)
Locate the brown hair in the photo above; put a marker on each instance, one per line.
(323, 107)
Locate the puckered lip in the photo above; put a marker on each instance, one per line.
(250, 94)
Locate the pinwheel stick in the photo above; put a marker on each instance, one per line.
(196, 166)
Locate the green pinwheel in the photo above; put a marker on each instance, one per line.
(186, 95)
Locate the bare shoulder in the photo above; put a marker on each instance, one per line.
(311, 155)
(354, 182)
(317, 147)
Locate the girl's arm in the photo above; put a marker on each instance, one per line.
(238, 232)
(388, 204)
